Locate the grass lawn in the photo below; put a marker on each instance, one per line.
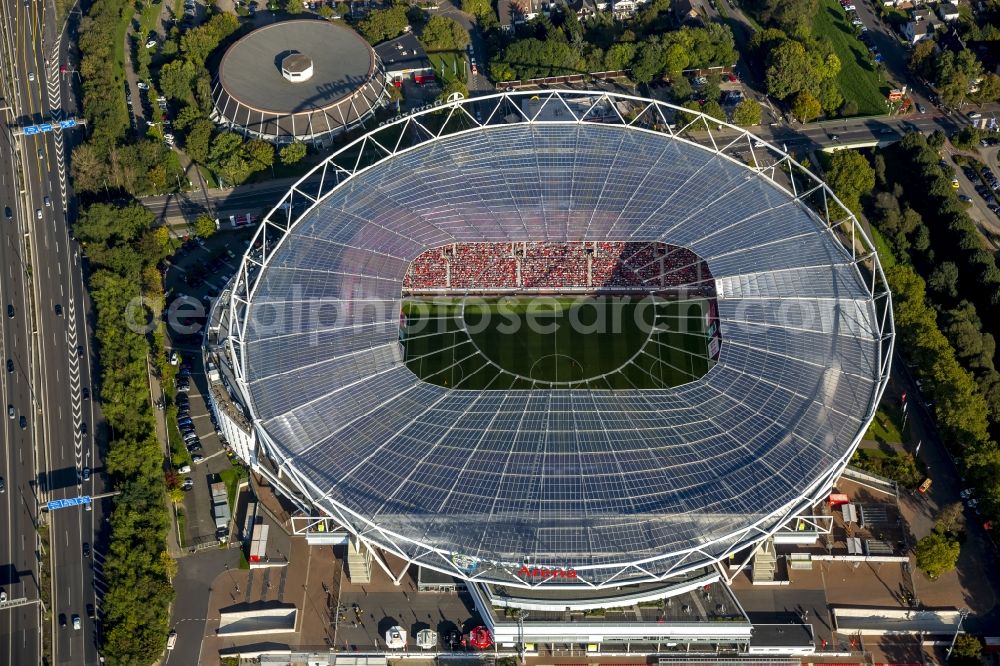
(556, 342)
(449, 66)
(147, 22)
(882, 246)
(181, 526)
(886, 426)
(857, 79)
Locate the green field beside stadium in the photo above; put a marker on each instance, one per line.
(522, 342)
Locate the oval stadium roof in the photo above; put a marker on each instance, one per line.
(251, 95)
(620, 485)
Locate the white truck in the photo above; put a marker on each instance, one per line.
(220, 509)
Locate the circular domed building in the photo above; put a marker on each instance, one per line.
(302, 80)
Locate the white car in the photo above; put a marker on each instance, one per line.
(151, 43)
(174, 359)
(142, 85)
(31, 75)
(171, 640)
(76, 622)
(38, 213)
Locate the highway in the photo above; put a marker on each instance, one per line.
(43, 341)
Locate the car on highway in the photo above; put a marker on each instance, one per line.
(10, 365)
(58, 310)
(23, 422)
(91, 612)
(3, 595)
(38, 213)
(31, 75)
(10, 411)
(10, 311)
(85, 393)
(48, 202)
(171, 640)
(79, 351)
(8, 213)
(86, 549)
(3, 486)
(921, 108)
(86, 474)
(62, 620)
(76, 622)
(83, 428)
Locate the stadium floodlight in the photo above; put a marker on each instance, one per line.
(550, 485)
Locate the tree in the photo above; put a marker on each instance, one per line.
(199, 139)
(204, 226)
(950, 519)
(175, 495)
(936, 555)
(259, 154)
(648, 63)
(383, 24)
(681, 89)
(294, 6)
(747, 113)
(967, 647)
(450, 89)
(444, 34)
(714, 110)
(187, 117)
(477, 8)
(292, 153)
(850, 175)
(89, 168)
(175, 80)
(619, 56)
(789, 70)
(326, 11)
(944, 279)
(805, 107)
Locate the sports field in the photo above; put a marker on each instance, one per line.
(523, 342)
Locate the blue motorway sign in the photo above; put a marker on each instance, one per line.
(48, 127)
(66, 503)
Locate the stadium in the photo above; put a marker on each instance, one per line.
(298, 80)
(752, 352)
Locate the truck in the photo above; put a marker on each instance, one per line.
(220, 509)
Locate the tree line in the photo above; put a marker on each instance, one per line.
(124, 250)
(945, 288)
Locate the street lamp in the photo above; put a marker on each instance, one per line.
(962, 614)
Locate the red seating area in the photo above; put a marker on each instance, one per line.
(476, 265)
(597, 265)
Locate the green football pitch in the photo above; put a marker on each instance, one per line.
(523, 342)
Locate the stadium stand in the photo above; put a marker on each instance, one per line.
(600, 265)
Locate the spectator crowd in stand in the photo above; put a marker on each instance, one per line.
(600, 265)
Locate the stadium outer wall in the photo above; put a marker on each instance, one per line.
(784, 173)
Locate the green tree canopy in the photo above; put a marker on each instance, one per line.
(747, 113)
(805, 106)
(383, 24)
(293, 153)
(204, 226)
(444, 34)
(850, 175)
(936, 555)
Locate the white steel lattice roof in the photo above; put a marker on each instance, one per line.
(473, 482)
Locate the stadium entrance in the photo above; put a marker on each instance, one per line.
(508, 316)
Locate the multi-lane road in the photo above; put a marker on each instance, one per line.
(47, 342)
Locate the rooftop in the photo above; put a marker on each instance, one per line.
(251, 68)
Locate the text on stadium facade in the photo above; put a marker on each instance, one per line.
(545, 572)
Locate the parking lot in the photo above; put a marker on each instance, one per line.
(197, 274)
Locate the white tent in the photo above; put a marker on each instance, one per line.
(395, 638)
(426, 639)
